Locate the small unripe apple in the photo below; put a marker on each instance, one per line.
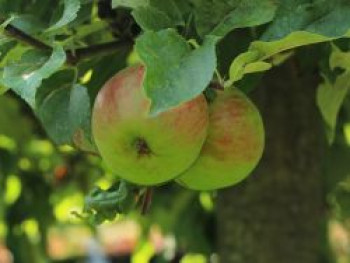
(140, 148)
(234, 144)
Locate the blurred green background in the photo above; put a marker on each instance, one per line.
(41, 185)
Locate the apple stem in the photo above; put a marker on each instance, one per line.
(147, 200)
(216, 85)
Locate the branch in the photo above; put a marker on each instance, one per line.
(73, 56)
(20, 36)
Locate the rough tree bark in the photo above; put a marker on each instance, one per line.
(278, 214)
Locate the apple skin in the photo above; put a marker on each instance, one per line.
(137, 147)
(233, 147)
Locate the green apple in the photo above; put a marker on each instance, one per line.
(233, 147)
(140, 148)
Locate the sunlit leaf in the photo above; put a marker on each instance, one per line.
(71, 8)
(25, 76)
(330, 95)
(302, 23)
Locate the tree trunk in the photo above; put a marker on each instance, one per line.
(278, 214)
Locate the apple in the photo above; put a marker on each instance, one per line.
(140, 148)
(234, 144)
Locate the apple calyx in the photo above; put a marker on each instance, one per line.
(142, 147)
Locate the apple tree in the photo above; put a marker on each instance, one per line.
(196, 92)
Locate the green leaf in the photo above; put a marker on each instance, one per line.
(330, 96)
(150, 18)
(304, 23)
(170, 8)
(129, 3)
(219, 17)
(300, 23)
(5, 46)
(236, 71)
(71, 8)
(339, 59)
(175, 73)
(321, 17)
(26, 75)
(56, 81)
(257, 67)
(269, 49)
(101, 205)
(245, 65)
(12, 54)
(3, 89)
(85, 14)
(28, 23)
(8, 49)
(246, 14)
(157, 15)
(294, 40)
(65, 112)
(153, 14)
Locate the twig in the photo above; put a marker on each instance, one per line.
(73, 56)
(147, 200)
